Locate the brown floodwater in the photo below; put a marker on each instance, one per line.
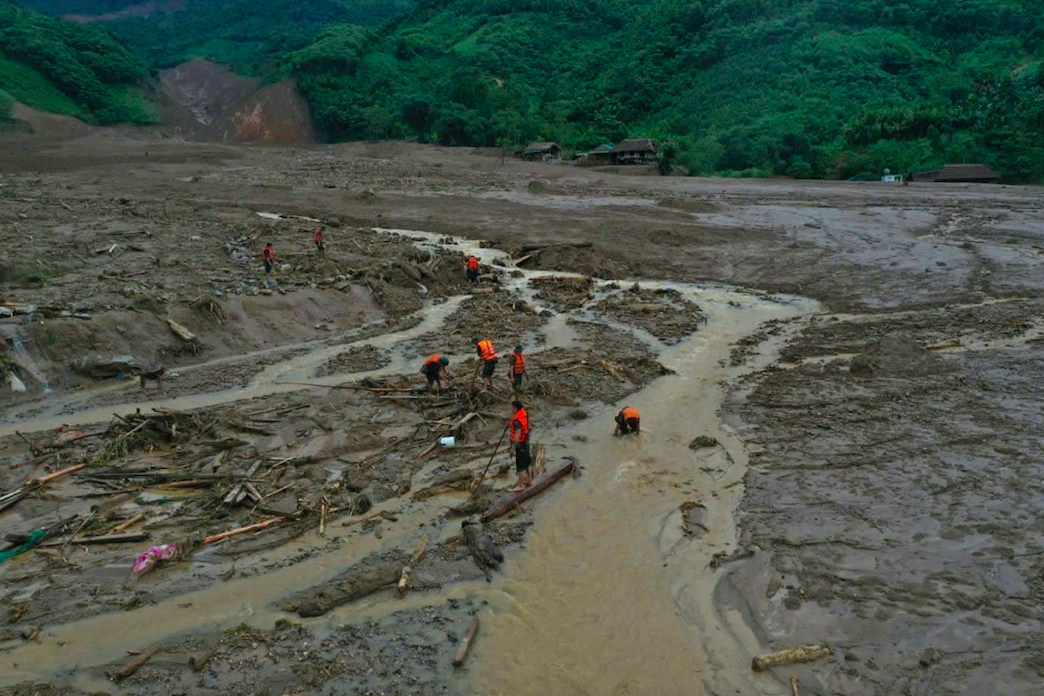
(608, 596)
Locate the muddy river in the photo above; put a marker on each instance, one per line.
(613, 591)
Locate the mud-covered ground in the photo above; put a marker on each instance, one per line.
(891, 504)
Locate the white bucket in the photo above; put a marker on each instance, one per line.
(448, 442)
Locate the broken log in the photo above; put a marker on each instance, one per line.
(357, 583)
(137, 663)
(243, 530)
(794, 686)
(806, 653)
(516, 498)
(465, 643)
(181, 332)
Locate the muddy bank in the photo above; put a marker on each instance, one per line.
(891, 498)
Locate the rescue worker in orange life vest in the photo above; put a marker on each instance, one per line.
(628, 422)
(434, 368)
(517, 371)
(472, 269)
(484, 349)
(520, 446)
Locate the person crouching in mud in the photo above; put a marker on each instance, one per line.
(520, 446)
(628, 422)
(435, 368)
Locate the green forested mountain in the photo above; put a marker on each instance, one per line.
(824, 88)
(68, 69)
(252, 36)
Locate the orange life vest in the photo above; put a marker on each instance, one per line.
(629, 413)
(318, 234)
(521, 419)
(485, 347)
(269, 254)
(473, 263)
(519, 368)
(433, 360)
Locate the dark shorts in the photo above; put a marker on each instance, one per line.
(516, 380)
(268, 266)
(473, 275)
(431, 373)
(319, 245)
(629, 426)
(522, 456)
(489, 367)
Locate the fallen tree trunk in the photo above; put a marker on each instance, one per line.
(516, 498)
(137, 663)
(319, 600)
(806, 653)
(465, 643)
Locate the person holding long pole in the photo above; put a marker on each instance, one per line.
(520, 446)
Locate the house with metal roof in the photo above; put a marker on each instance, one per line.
(633, 151)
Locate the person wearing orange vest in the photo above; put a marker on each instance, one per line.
(320, 239)
(484, 349)
(268, 256)
(517, 371)
(628, 422)
(472, 269)
(520, 446)
(434, 368)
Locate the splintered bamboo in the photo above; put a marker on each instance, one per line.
(58, 474)
(404, 579)
(806, 653)
(516, 498)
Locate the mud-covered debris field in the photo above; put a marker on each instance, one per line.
(215, 479)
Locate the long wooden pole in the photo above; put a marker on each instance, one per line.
(495, 450)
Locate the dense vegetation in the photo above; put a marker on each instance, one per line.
(253, 37)
(806, 88)
(70, 69)
(825, 88)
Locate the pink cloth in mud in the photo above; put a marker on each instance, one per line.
(146, 561)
